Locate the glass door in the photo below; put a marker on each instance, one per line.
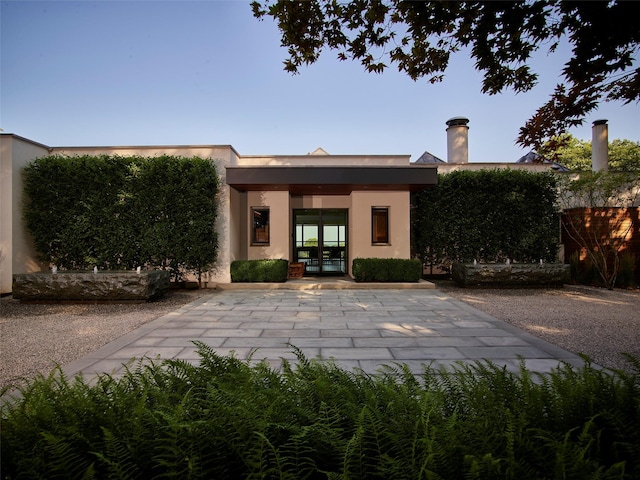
(305, 243)
(334, 241)
(320, 240)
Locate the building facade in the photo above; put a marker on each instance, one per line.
(318, 209)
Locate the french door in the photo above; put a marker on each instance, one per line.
(320, 240)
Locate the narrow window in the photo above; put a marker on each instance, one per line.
(380, 225)
(260, 226)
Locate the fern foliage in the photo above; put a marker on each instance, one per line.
(309, 419)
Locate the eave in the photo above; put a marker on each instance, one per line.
(332, 180)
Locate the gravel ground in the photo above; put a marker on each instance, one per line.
(599, 323)
(596, 322)
(35, 338)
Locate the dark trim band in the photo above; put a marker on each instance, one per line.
(331, 180)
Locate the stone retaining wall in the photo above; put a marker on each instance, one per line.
(88, 286)
(489, 274)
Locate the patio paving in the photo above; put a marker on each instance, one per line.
(356, 328)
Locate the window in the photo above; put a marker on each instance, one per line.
(260, 226)
(380, 225)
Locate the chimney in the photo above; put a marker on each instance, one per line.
(457, 140)
(600, 146)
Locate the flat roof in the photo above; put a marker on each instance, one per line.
(331, 180)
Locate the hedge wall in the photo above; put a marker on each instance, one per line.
(269, 270)
(122, 212)
(386, 270)
(487, 215)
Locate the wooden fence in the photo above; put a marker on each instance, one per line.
(609, 230)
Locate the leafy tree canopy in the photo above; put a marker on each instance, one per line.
(575, 154)
(419, 38)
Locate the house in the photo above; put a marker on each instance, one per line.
(319, 209)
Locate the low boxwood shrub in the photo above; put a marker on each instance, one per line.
(274, 270)
(386, 270)
(225, 418)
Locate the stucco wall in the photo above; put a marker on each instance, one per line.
(325, 160)
(360, 244)
(6, 213)
(321, 201)
(238, 224)
(359, 204)
(279, 228)
(17, 254)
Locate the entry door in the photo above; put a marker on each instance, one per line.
(320, 240)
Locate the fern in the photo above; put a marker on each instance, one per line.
(228, 418)
(426, 454)
(64, 460)
(116, 459)
(258, 458)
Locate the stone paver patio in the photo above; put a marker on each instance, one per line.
(363, 328)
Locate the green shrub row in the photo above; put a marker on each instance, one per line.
(227, 419)
(122, 212)
(386, 270)
(488, 216)
(259, 270)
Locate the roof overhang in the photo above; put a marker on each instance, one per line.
(308, 180)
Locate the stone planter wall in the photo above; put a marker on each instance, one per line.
(552, 274)
(111, 286)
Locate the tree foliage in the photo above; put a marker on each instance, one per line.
(420, 37)
(122, 212)
(599, 217)
(600, 190)
(487, 215)
(575, 154)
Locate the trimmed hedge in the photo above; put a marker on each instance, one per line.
(488, 216)
(259, 270)
(118, 212)
(386, 270)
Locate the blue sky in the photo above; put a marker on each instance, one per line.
(155, 72)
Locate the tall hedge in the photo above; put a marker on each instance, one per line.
(487, 215)
(121, 212)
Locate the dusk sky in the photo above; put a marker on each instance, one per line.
(94, 73)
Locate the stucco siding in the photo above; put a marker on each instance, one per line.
(324, 160)
(360, 244)
(280, 225)
(238, 225)
(17, 254)
(321, 201)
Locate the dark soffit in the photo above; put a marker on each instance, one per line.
(331, 180)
